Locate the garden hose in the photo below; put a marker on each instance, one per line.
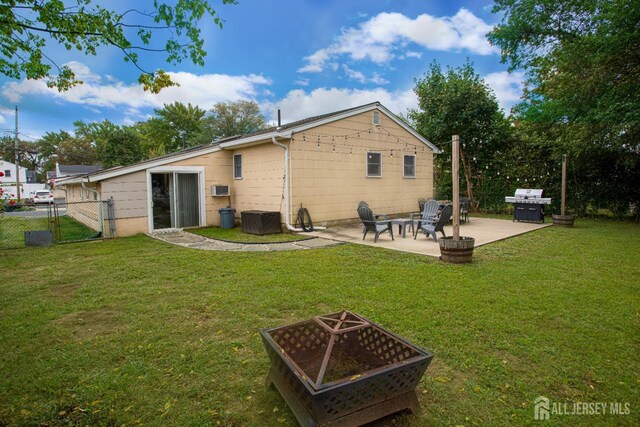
(304, 220)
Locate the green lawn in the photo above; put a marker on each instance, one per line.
(236, 235)
(138, 331)
(12, 230)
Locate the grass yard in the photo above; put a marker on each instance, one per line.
(236, 235)
(136, 331)
(12, 230)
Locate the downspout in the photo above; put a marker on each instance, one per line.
(287, 193)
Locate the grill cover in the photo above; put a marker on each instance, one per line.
(260, 222)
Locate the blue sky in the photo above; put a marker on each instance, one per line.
(302, 56)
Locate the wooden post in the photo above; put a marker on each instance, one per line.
(564, 184)
(455, 153)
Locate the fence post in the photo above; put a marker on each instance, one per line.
(112, 218)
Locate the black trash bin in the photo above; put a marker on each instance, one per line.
(226, 218)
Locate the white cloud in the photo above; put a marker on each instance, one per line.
(507, 87)
(361, 78)
(202, 90)
(412, 54)
(83, 72)
(5, 113)
(378, 39)
(302, 82)
(299, 104)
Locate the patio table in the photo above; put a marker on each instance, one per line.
(403, 223)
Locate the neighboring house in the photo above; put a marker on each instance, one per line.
(28, 184)
(65, 171)
(8, 173)
(326, 163)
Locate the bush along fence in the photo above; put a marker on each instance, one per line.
(67, 222)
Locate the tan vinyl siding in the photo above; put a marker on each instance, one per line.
(331, 184)
(129, 193)
(131, 226)
(261, 186)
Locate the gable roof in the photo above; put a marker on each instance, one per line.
(261, 136)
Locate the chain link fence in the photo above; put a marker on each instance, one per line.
(67, 222)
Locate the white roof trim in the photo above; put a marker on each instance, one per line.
(150, 164)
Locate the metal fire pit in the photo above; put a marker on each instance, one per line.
(343, 370)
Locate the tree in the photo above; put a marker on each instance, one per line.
(458, 102)
(176, 126)
(122, 147)
(62, 147)
(115, 145)
(235, 118)
(29, 26)
(582, 62)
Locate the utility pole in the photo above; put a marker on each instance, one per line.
(17, 156)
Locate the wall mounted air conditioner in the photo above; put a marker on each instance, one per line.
(220, 190)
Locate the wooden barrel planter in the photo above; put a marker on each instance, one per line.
(563, 220)
(456, 251)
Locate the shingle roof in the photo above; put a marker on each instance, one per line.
(78, 169)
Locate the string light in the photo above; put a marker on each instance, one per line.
(392, 152)
(334, 149)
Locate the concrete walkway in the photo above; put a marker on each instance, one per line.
(194, 241)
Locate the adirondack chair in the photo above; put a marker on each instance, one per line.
(428, 213)
(378, 217)
(370, 224)
(421, 203)
(433, 227)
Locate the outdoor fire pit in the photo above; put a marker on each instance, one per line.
(343, 370)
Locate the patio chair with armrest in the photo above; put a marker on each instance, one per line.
(370, 224)
(378, 217)
(433, 227)
(428, 213)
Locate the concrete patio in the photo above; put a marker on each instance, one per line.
(484, 230)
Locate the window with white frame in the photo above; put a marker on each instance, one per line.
(7, 173)
(409, 166)
(374, 164)
(376, 118)
(237, 166)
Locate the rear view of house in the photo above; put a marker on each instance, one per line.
(325, 163)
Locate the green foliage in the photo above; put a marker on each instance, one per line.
(176, 126)
(583, 89)
(458, 102)
(122, 148)
(235, 118)
(115, 145)
(29, 27)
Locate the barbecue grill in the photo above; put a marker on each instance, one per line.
(528, 204)
(343, 370)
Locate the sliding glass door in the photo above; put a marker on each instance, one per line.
(175, 200)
